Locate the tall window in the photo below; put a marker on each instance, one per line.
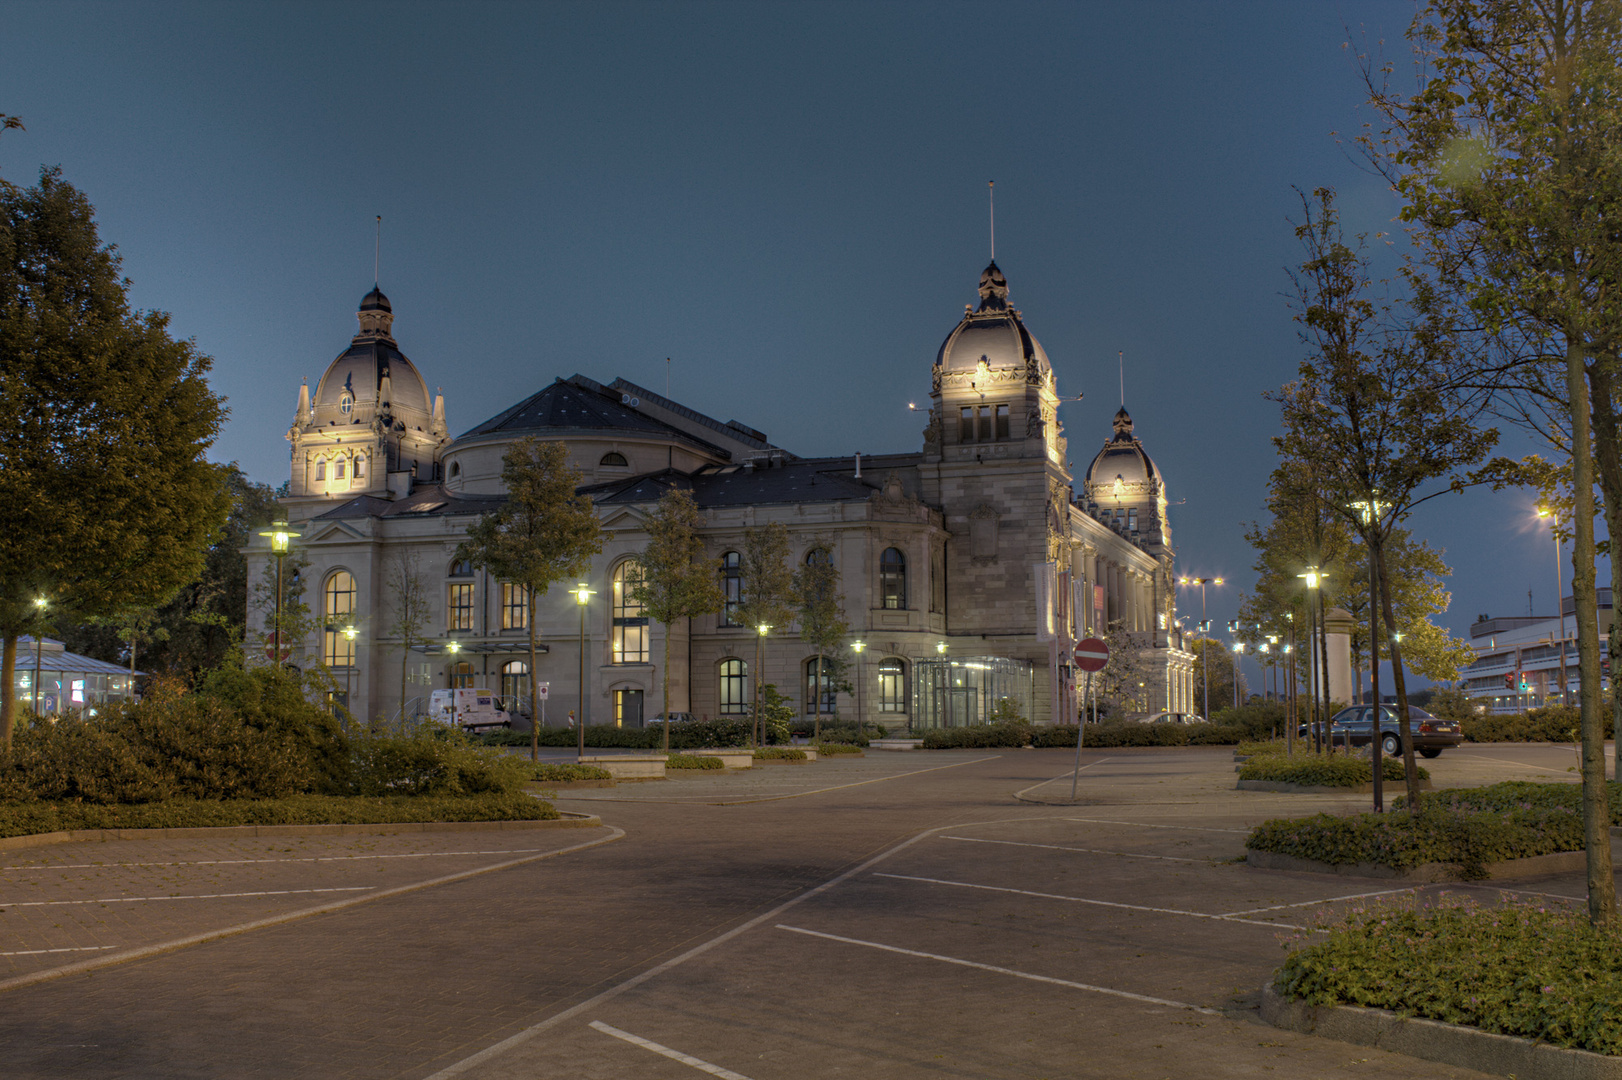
(514, 606)
(321, 469)
(892, 686)
(630, 618)
(731, 587)
(338, 469)
(338, 607)
(461, 675)
(893, 579)
(982, 423)
(734, 687)
(515, 684)
(459, 598)
(819, 699)
(360, 466)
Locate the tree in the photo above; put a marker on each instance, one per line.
(1382, 409)
(767, 588)
(545, 532)
(1212, 655)
(411, 611)
(1122, 683)
(822, 618)
(1508, 156)
(107, 502)
(676, 580)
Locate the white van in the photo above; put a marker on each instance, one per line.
(474, 710)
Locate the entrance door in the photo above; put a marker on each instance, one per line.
(962, 706)
(628, 708)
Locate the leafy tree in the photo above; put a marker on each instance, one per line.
(297, 623)
(767, 587)
(1508, 155)
(1214, 656)
(821, 616)
(106, 500)
(411, 610)
(544, 533)
(676, 580)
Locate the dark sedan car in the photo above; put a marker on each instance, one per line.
(1431, 734)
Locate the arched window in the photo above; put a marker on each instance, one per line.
(360, 466)
(321, 469)
(613, 457)
(456, 469)
(819, 556)
(338, 609)
(461, 675)
(459, 598)
(338, 469)
(819, 698)
(892, 686)
(734, 675)
(731, 587)
(346, 404)
(630, 618)
(515, 686)
(893, 579)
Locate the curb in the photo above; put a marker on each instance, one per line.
(1432, 1040)
(565, 820)
(1560, 862)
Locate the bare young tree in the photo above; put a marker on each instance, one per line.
(822, 619)
(410, 611)
(767, 585)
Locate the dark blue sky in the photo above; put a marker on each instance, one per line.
(787, 199)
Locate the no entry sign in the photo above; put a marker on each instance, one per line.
(1091, 654)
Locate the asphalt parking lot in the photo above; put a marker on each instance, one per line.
(908, 914)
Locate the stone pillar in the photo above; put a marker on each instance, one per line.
(1338, 624)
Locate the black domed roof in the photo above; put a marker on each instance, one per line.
(375, 301)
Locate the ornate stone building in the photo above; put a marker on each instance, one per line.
(969, 568)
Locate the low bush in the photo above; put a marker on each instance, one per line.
(978, 736)
(1263, 720)
(30, 818)
(1128, 734)
(431, 763)
(847, 732)
(1055, 735)
(1254, 749)
(780, 753)
(1323, 770)
(686, 735)
(827, 749)
(1557, 723)
(559, 772)
(1514, 970)
(1521, 794)
(693, 761)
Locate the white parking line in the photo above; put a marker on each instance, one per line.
(205, 896)
(1520, 764)
(1020, 794)
(1327, 900)
(674, 1055)
(250, 862)
(1060, 847)
(859, 783)
(1098, 903)
(1002, 970)
(42, 952)
(1145, 825)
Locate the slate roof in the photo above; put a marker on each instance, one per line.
(578, 404)
(804, 480)
(430, 500)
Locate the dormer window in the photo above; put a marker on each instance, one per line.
(346, 404)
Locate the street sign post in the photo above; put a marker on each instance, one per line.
(1091, 656)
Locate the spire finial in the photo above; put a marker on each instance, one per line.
(377, 252)
(1120, 359)
(991, 196)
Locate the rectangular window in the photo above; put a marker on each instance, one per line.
(514, 606)
(965, 425)
(1002, 421)
(630, 641)
(734, 688)
(360, 466)
(985, 423)
(892, 687)
(459, 609)
(338, 469)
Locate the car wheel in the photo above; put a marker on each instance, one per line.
(1431, 751)
(1390, 746)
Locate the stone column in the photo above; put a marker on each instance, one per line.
(1338, 645)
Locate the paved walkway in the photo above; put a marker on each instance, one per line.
(896, 915)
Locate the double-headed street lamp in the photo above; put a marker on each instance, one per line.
(1205, 626)
(582, 596)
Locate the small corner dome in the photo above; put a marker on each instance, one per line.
(1123, 458)
(994, 332)
(375, 301)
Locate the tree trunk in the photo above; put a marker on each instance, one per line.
(8, 678)
(816, 706)
(1404, 729)
(1375, 715)
(1323, 667)
(534, 711)
(1607, 436)
(667, 688)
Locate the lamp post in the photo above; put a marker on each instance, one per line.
(1238, 654)
(1559, 591)
(40, 604)
(1205, 625)
(1314, 577)
(861, 716)
(582, 596)
(757, 729)
(281, 541)
(349, 670)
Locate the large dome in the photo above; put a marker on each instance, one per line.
(358, 371)
(1123, 459)
(993, 332)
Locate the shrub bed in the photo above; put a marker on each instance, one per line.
(559, 772)
(827, 749)
(780, 753)
(693, 761)
(1515, 970)
(1521, 794)
(687, 735)
(1322, 770)
(30, 818)
(1557, 723)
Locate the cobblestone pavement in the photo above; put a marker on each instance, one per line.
(906, 915)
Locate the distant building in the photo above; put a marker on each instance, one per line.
(969, 567)
(1517, 663)
(54, 681)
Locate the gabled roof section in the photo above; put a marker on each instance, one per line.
(797, 481)
(732, 429)
(428, 501)
(579, 404)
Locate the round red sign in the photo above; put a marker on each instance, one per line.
(1091, 654)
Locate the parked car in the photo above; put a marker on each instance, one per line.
(1171, 718)
(675, 718)
(1431, 734)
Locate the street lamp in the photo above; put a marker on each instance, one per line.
(1314, 578)
(1205, 625)
(1559, 591)
(582, 596)
(350, 634)
(281, 541)
(757, 729)
(1238, 654)
(40, 603)
(857, 646)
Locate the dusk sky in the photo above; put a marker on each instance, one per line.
(788, 200)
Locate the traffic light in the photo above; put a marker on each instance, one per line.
(1509, 680)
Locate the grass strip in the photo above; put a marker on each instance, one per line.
(30, 818)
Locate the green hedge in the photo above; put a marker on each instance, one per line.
(991, 736)
(1511, 969)
(687, 735)
(557, 772)
(694, 761)
(1557, 723)
(780, 753)
(1522, 795)
(29, 818)
(1326, 770)
(827, 749)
